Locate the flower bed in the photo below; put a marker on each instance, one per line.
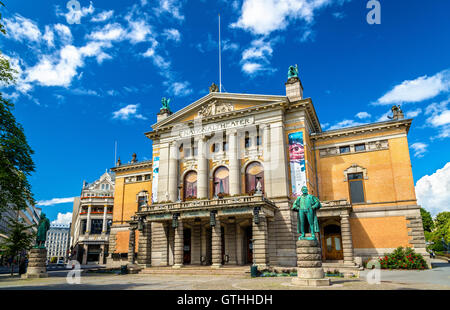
(403, 258)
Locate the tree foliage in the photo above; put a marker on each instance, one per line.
(427, 220)
(15, 153)
(19, 238)
(441, 232)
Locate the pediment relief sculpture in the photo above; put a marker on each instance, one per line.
(214, 108)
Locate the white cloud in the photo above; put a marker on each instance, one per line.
(433, 191)
(362, 115)
(256, 58)
(22, 29)
(110, 32)
(251, 67)
(75, 15)
(54, 201)
(179, 88)
(439, 118)
(345, 123)
(102, 16)
(419, 89)
(171, 7)
(128, 112)
(262, 17)
(419, 149)
(139, 31)
(64, 33)
(49, 36)
(64, 219)
(413, 113)
(172, 34)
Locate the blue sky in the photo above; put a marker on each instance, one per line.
(84, 86)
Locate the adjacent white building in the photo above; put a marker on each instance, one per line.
(57, 243)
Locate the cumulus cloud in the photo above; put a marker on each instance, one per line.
(171, 7)
(419, 89)
(262, 17)
(181, 89)
(419, 149)
(110, 32)
(413, 113)
(128, 112)
(439, 117)
(362, 115)
(256, 58)
(54, 201)
(345, 123)
(20, 28)
(172, 34)
(102, 16)
(63, 219)
(433, 191)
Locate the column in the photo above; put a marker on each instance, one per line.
(239, 245)
(145, 245)
(347, 244)
(178, 246)
(234, 164)
(105, 211)
(173, 172)
(131, 245)
(278, 161)
(88, 220)
(202, 169)
(266, 156)
(260, 243)
(85, 252)
(196, 244)
(216, 243)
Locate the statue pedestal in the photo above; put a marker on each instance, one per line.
(309, 265)
(36, 264)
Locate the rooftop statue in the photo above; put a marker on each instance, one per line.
(306, 205)
(44, 226)
(213, 88)
(397, 113)
(293, 72)
(165, 103)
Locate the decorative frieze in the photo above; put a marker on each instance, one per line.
(352, 148)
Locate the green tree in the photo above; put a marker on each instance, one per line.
(441, 231)
(19, 239)
(427, 220)
(16, 163)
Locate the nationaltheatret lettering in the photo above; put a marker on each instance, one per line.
(242, 122)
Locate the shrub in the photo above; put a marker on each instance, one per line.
(403, 258)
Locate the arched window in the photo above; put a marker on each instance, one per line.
(190, 185)
(221, 181)
(253, 173)
(142, 199)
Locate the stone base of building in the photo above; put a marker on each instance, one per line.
(309, 263)
(36, 265)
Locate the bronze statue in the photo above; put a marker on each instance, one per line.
(44, 226)
(397, 113)
(306, 206)
(165, 103)
(293, 72)
(213, 88)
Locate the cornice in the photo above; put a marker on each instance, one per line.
(367, 128)
(133, 166)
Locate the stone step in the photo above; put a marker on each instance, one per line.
(197, 271)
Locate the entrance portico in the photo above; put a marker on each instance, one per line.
(228, 231)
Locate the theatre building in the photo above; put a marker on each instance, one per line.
(227, 168)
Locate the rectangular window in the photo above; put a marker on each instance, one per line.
(139, 178)
(225, 146)
(83, 226)
(147, 177)
(344, 149)
(258, 140)
(96, 226)
(360, 147)
(356, 186)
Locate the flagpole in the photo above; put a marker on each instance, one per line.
(220, 61)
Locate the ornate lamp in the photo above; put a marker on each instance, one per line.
(175, 220)
(256, 214)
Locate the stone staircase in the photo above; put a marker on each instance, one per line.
(198, 270)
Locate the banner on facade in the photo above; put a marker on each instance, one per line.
(155, 179)
(297, 162)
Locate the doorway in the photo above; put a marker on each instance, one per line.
(333, 242)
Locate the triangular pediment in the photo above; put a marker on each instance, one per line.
(215, 104)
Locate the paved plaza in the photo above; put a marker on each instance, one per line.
(437, 278)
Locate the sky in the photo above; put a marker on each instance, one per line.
(93, 72)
